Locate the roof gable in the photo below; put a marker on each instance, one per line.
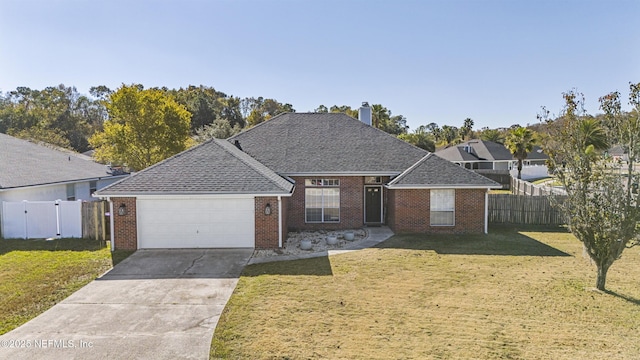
(433, 171)
(214, 167)
(23, 163)
(307, 143)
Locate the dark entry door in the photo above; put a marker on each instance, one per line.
(373, 205)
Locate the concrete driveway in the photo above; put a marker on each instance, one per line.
(156, 304)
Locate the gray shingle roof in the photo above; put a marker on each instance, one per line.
(326, 143)
(537, 154)
(481, 150)
(23, 163)
(434, 171)
(214, 167)
(456, 153)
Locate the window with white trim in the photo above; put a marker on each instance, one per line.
(322, 200)
(443, 203)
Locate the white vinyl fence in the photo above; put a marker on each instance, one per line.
(531, 172)
(41, 219)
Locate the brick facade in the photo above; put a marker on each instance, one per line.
(351, 205)
(125, 231)
(406, 211)
(266, 226)
(409, 211)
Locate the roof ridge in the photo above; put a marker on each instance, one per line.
(260, 124)
(410, 169)
(250, 161)
(148, 168)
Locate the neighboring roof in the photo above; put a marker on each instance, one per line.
(482, 150)
(326, 143)
(23, 163)
(537, 154)
(214, 167)
(456, 153)
(617, 150)
(433, 171)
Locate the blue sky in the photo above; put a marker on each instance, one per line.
(496, 62)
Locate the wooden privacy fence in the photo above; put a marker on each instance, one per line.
(521, 187)
(526, 210)
(94, 224)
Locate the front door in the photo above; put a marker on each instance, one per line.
(373, 204)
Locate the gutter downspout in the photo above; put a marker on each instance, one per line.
(280, 221)
(486, 212)
(111, 225)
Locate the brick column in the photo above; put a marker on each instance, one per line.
(267, 225)
(125, 227)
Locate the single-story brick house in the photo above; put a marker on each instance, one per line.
(296, 171)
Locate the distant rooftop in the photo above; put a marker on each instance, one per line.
(24, 163)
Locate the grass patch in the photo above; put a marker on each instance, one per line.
(500, 191)
(514, 294)
(37, 274)
(548, 181)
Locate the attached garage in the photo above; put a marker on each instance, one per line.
(196, 223)
(210, 196)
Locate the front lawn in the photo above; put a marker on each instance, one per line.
(511, 294)
(37, 274)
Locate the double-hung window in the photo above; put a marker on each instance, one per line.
(322, 200)
(443, 203)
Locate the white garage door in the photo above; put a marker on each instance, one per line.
(196, 223)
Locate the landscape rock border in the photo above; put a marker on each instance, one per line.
(318, 242)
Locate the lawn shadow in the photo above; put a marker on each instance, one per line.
(66, 244)
(318, 266)
(623, 297)
(118, 255)
(508, 242)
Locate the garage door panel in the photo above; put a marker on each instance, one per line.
(191, 223)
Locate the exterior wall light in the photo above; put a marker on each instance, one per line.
(122, 210)
(267, 209)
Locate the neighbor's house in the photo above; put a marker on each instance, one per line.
(38, 173)
(33, 172)
(618, 153)
(488, 157)
(296, 171)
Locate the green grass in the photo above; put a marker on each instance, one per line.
(37, 274)
(549, 181)
(513, 294)
(500, 191)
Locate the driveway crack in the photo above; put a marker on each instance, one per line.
(193, 263)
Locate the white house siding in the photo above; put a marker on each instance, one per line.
(35, 193)
(53, 192)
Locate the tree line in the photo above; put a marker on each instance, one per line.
(61, 116)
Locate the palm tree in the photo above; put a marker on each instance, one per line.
(520, 142)
(592, 135)
(493, 135)
(466, 128)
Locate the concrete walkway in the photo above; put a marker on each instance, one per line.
(375, 235)
(156, 304)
